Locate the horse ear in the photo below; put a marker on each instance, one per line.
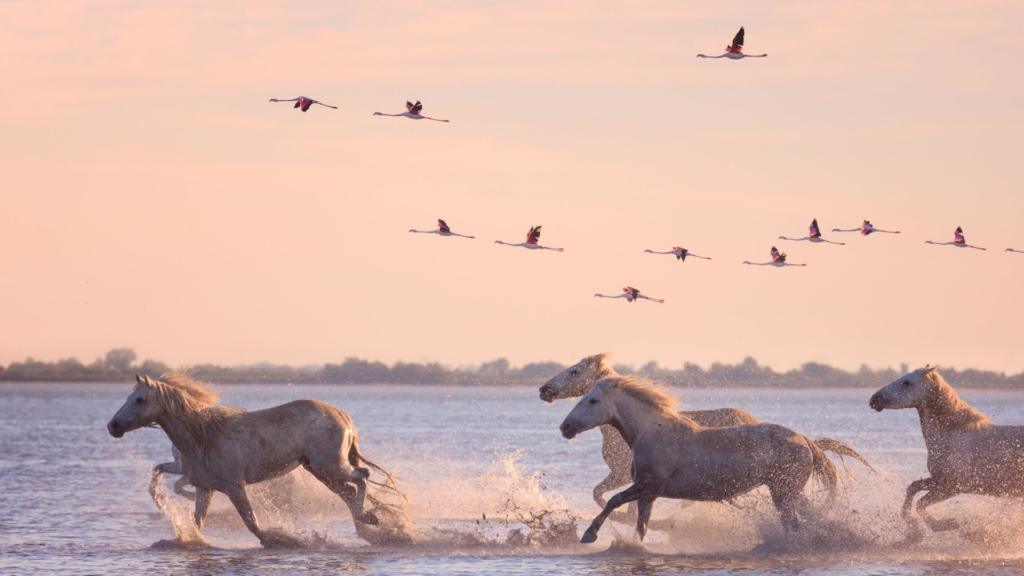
(148, 381)
(138, 378)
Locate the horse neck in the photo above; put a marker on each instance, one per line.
(179, 434)
(633, 418)
(945, 412)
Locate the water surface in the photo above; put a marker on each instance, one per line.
(73, 500)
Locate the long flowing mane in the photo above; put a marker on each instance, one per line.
(948, 409)
(599, 362)
(647, 392)
(192, 403)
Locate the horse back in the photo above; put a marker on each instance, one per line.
(720, 417)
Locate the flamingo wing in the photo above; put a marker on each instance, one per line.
(306, 103)
(778, 256)
(413, 108)
(814, 228)
(533, 235)
(958, 236)
(633, 292)
(737, 41)
(443, 226)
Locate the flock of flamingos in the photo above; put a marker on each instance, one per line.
(704, 455)
(733, 51)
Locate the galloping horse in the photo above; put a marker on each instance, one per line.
(223, 449)
(967, 454)
(578, 379)
(674, 457)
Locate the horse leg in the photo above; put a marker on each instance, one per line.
(240, 500)
(934, 496)
(337, 475)
(179, 488)
(786, 505)
(203, 498)
(611, 482)
(912, 490)
(154, 481)
(644, 507)
(628, 495)
(615, 479)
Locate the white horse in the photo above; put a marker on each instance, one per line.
(967, 454)
(578, 379)
(223, 449)
(674, 457)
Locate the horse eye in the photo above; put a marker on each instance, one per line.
(906, 382)
(575, 372)
(593, 400)
(139, 400)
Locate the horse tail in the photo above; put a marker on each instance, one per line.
(355, 458)
(822, 469)
(842, 449)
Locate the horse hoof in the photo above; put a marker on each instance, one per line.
(369, 518)
(589, 537)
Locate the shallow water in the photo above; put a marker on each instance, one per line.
(74, 501)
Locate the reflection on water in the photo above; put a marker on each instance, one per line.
(493, 489)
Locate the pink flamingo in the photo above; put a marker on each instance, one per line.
(1017, 251)
(531, 241)
(411, 111)
(814, 236)
(735, 50)
(778, 260)
(442, 229)
(958, 241)
(631, 295)
(303, 103)
(679, 253)
(865, 229)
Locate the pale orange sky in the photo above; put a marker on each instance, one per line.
(154, 198)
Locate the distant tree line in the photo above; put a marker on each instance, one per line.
(120, 365)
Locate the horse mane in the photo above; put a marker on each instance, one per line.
(646, 391)
(193, 403)
(600, 361)
(948, 409)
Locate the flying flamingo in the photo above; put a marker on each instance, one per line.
(412, 111)
(865, 229)
(679, 253)
(631, 295)
(735, 50)
(958, 241)
(1017, 251)
(531, 241)
(442, 229)
(778, 260)
(303, 103)
(814, 236)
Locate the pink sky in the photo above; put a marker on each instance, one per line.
(155, 199)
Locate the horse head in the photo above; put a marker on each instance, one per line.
(138, 411)
(593, 410)
(576, 380)
(910, 391)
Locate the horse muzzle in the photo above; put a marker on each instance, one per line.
(115, 428)
(568, 430)
(877, 402)
(547, 393)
